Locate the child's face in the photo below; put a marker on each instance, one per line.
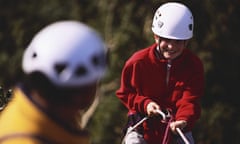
(170, 48)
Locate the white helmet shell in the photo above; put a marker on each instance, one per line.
(69, 53)
(173, 21)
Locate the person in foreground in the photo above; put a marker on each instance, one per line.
(62, 67)
(165, 76)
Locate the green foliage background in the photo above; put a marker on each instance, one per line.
(126, 27)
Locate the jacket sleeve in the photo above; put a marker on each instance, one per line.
(129, 92)
(188, 107)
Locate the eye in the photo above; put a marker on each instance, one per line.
(179, 41)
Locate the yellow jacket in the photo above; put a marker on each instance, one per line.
(22, 122)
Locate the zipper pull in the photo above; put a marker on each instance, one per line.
(168, 70)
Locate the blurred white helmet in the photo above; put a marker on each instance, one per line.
(173, 21)
(69, 53)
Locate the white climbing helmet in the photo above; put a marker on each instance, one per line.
(69, 53)
(174, 21)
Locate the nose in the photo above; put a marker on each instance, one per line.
(169, 45)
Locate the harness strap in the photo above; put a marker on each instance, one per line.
(167, 130)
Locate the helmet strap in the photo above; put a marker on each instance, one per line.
(158, 41)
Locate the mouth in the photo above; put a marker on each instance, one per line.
(171, 52)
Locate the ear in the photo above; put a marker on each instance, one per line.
(156, 38)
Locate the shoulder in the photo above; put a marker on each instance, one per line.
(144, 54)
(192, 58)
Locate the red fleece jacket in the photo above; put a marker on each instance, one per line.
(144, 79)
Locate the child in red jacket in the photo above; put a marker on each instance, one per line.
(163, 76)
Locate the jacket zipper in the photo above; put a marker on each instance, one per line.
(169, 64)
(168, 71)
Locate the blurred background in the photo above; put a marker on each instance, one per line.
(125, 25)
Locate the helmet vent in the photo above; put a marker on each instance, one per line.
(59, 68)
(80, 71)
(190, 26)
(98, 60)
(34, 55)
(160, 24)
(95, 60)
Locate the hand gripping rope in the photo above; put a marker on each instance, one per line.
(165, 117)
